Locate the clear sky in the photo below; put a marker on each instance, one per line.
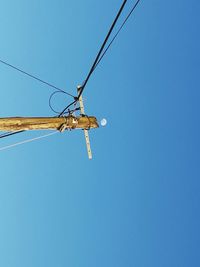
(137, 202)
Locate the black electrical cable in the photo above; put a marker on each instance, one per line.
(10, 133)
(50, 102)
(97, 58)
(72, 103)
(120, 28)
(101, 49)
(34, 77)
(100, 55)
(50, 99)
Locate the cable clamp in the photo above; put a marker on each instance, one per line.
(64, 126)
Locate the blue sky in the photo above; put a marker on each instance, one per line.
(137, 202)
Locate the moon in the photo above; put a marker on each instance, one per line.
(103, 122)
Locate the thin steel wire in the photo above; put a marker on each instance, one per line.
(34, 77)
(28, 140)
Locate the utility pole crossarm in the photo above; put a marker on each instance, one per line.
(87, 139)
(40, 123)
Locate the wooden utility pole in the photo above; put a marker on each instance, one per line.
(39, 123)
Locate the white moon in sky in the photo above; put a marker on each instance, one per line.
(103, 122)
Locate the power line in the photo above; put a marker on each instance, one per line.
(102, 47)
(10, 133)
(97, 57)
(34, 77)
(120, 28)
(100, 55)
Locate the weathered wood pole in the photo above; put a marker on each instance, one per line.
(39, 123)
